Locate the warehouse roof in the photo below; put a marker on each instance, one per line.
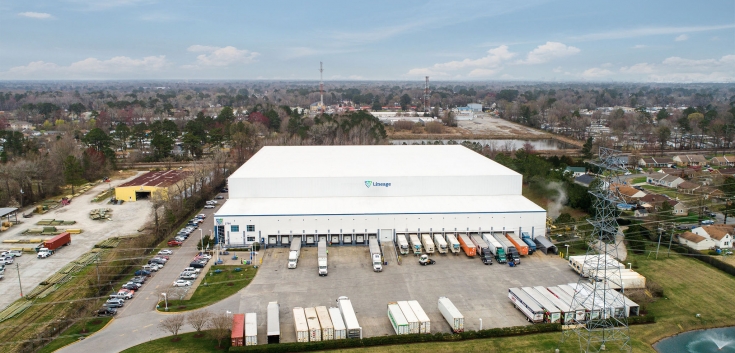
(158, 179)
(358, 161)
(275, 206)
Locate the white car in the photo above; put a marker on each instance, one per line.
(7, 260)
(165, 252)
(16, 253)
(192, 269)
(209, 206)
(202, 216)
(188, 275)
(182, 283)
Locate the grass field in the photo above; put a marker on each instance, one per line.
(638, 180)
(189, 343)
(72, 334)
(218, 286)
(661, 190)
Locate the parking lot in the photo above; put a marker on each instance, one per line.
(477, 290)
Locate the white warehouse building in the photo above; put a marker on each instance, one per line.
(348, 194)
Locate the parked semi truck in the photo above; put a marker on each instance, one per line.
(274, 323)
(495, 247)
(482, 249)
(293, 255)
(48, 247)
(427, 243)
(403, 244)
(441, 244)
(529, 241)
(467, 246)
(322, 257)
(453, 244)
(451, 314)
(352, 327)
(510, 251)
(519, 244)
(376, 256)
(415, 243)
(524, 303)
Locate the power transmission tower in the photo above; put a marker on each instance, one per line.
(605, 328)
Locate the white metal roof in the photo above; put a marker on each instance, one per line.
(359, 161)
(274, 206)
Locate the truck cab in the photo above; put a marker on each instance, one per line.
(514, 255)
(500, 256)
(377, 263)
(486, 256)
(43, 253)
(293, 259)
(322, 267)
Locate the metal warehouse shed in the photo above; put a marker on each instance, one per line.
(349, 194)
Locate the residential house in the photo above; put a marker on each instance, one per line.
(710, 192)
(690, 159)
(656, 162)
(721, 234)
(622, 161)
(679, 209)
(640, 213)
(17, 125)
(629, 194)
(724, 161)
(663, 179)
(584, 180)
(726, 172)
(653, 201)
(688, 187)
(575, 171)
(687, 173)
(696, 241)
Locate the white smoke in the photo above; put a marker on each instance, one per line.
(557, 201)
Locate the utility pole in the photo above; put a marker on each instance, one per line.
(660, 231)
(20, 285)
(671, 238)
(97, 265)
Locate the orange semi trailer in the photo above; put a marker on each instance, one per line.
(238, 330)
(469, 248)
(520, 245)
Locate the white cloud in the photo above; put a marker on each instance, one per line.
(639, 46)
(482, 72)
(221, 56)
(549, 51)
(494, 60)
(596, 72)
(702, 64)
(641, 68)
(648, 31)
(97, 5)
(681, 38)
(90, 67)
(557, 69)
(36, 15)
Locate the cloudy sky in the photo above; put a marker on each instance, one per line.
(660, 41)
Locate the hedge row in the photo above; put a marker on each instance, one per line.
(714, 261)
(399, 339)
(637, 320)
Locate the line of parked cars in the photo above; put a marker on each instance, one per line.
(184, 233)
(192, 272)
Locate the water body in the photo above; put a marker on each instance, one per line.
(503, 145)
(717, 340)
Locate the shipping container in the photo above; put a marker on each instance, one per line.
(55, 242)
(441, 244)
(567, 314)
(403, 244)
(469, 248)
(524, 303)
(413, 321)
(274, 323)
(348, 315)
(519, 244)
(312, 320)
(424, 322)
(325, 322)
(453, 243)
(495, 247)
(415, 243)
(451, 314)
(300, 325)
(397, 320)
(552, 313)
(251, 329)
(580, 312)
(238, 330)
(337, 323)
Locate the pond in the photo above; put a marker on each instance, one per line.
(721, 340)
(501, 145)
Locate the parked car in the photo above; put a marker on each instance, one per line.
(165, 257)
(213, 202)
(143, 272)
(138, 279)
(208, 206)
(16, 253)
(707, 222)
(192, 269)
(156, 261)
(197, 264)
(106, 311)
(165, 252)
(224, 190)
(7, 260)
(180, 238)
(202, 216)
(130, 286)
(188, 275)
(219, 197)
(181, 283)
(136, 285)
(174, 242)
(114, 303)
(127, 294)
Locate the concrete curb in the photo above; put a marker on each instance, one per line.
(85, 337)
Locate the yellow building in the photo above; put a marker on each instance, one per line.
(146, 185)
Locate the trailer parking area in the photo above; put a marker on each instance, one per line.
(478, 291)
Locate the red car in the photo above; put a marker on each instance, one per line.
(174, 242)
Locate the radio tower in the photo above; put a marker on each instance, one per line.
(605, 328)
(426, 96)
(321, 86)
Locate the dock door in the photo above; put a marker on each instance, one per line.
(360, 238)
(285, 240)
(347, 239)
(321, 237)
(310, 239)
(272, 240)
(334, 238)
(386, 235)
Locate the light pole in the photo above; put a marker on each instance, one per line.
(201, 239)
(20, 285)
(165, 299)
(567, 245)
(21, 198)
(480, 324)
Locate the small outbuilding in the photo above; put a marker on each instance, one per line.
(149, 184)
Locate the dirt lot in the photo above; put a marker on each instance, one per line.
(126, 219)
(486, 124)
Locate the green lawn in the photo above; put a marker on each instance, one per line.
(215, 287)
(189, 343)
(638, 180)
(661, 190)
(75, 331)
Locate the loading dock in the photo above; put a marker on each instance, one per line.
(321, 237)
(285, 241)
(360, 239)
(310, 239)
(334, 239)
(347, 239)
(272, 240)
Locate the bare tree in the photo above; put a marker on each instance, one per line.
(172, 324)
(198, 319)
(219, 327)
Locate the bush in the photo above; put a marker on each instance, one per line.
(403, 125)
(434, 127)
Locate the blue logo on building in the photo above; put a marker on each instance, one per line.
(370, 183)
